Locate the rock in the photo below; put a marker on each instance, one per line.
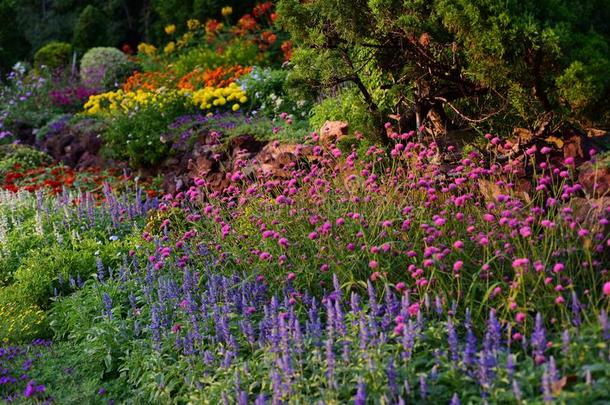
(587, 212)
(595, 178)
(490, 190)
(76, 145)
(331, 131)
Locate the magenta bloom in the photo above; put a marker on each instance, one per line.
(607, 289)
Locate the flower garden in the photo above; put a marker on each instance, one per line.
(195, 221)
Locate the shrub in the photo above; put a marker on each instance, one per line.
(136, 135)
(26, 157)
(266, 89)
(104, 65)
(21, 320)
(345, 105)
(238, 53)
(53, 55)
(90, 28)
(451, 58)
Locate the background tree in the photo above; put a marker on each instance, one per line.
(488, 63)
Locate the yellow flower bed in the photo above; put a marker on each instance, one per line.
(19, 322)
(126, 101)
(208, 98)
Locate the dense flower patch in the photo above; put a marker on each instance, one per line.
(16, 362)
(330, 270)
(56, 178)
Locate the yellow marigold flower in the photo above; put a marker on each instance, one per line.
(170, 29)
(193, 24)
(226, 11)
(243, 99)
(147, 49)
(235, 107)
(170, 47)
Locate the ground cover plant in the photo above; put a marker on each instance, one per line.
(208, 212)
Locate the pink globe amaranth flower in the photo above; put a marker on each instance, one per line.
(558, 268)
(413, 309)
(520, 263)
(517, 337)
(583, 232)
(520, 317)
(373, 264)
(458, 245)
(401, 286)
(291, 276)
(569, 161)
(313, 235)
(559, 300)
(264, 256)
(324, 268)
(606, 288)
(386, 224)
(176, 328)
(545, 150)
(457, 266)
(340, 221)
(525, 231)
(283, 242)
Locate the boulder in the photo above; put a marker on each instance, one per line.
(331, 131)
(595, 178)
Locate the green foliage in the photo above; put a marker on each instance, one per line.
(345, 105)
(13, 45)
(138, 136)
(24, 100)
(20, 319)
(25, 156)
(90, 29)
(53, 55)
(104, 65)
(67, 371)
(178, 11)
(238, 53)
(547, 55)
(268, 95)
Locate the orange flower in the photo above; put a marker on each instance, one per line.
(269, 37)
(219, 77)
(286, 48)
(262, 9)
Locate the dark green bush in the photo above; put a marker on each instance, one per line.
(54, 55)
(510, 62)
(90, 29)
(345, 105)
